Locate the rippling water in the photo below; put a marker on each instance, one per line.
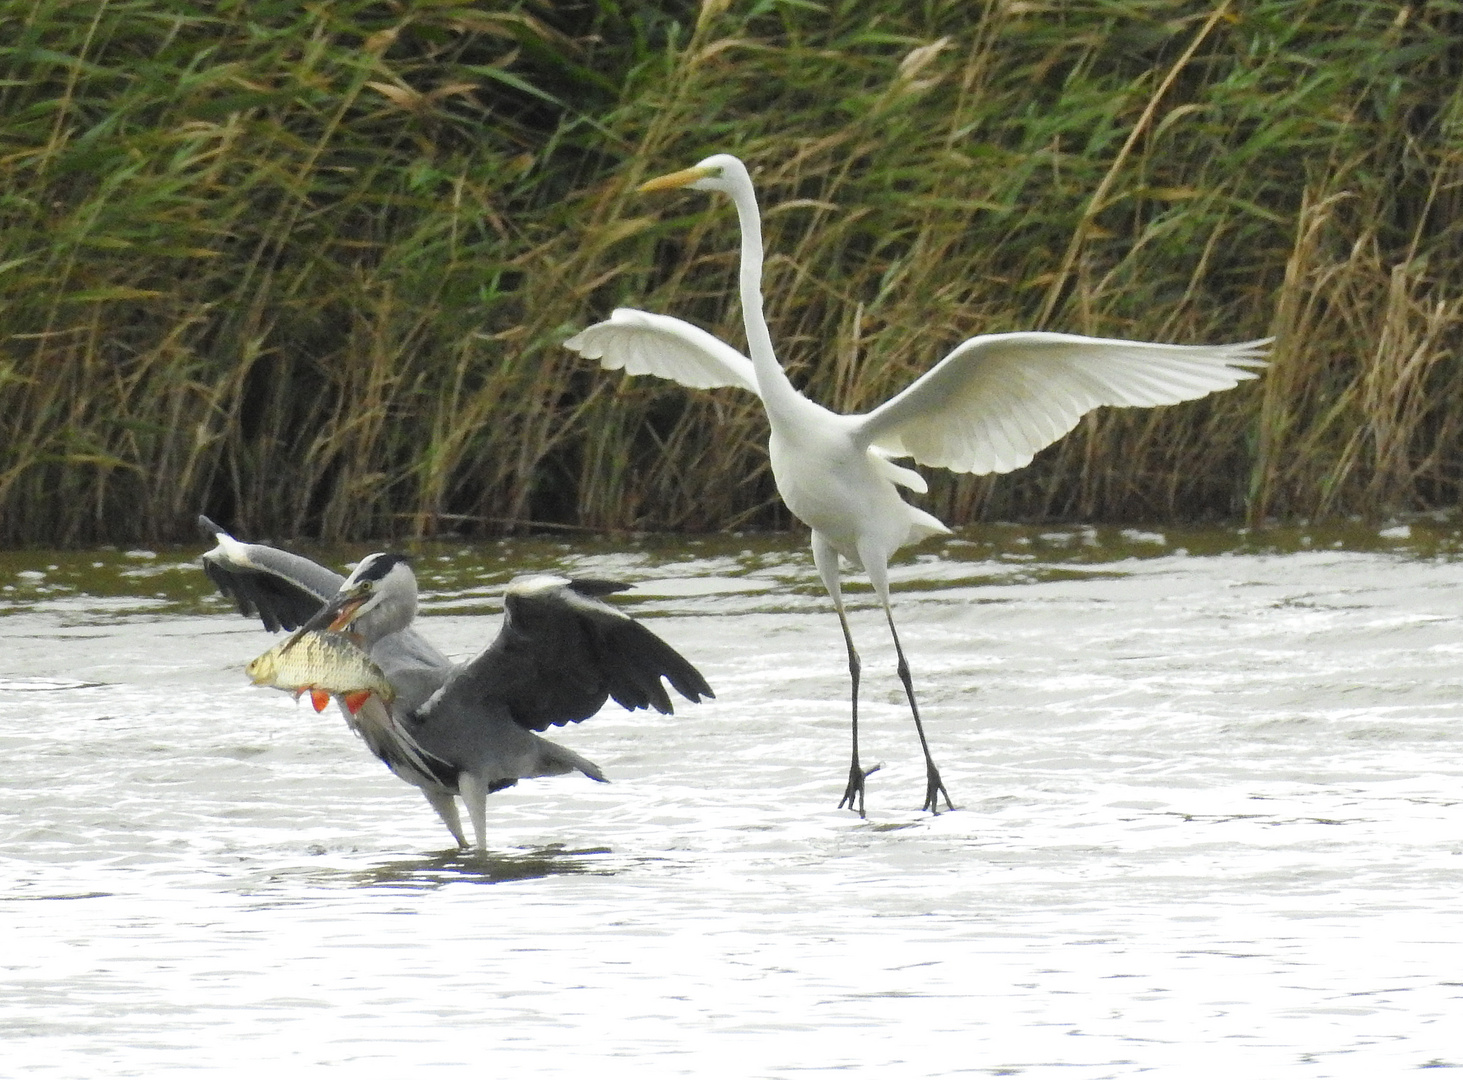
(1209, 824)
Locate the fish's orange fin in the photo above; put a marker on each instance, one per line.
(355, 699)
(319, 699)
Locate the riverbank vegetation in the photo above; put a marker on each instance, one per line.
(308, 267)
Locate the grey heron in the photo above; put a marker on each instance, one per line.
(466, 729)
(987, 407)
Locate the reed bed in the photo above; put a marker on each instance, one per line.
(308, 267)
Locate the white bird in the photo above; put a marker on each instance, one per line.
(988, 407)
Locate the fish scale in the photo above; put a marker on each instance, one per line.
(322, 662)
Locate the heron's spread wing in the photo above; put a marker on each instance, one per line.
(561, 653)
(646, 344)
(997, 399)
(284, 590)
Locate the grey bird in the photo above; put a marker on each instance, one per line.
(465, 729)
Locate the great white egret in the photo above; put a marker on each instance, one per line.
(465, 729)
(987, 407)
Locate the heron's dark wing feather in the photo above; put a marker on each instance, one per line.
(279, 604)
(562, 653)
(637, 660)
(282, 589)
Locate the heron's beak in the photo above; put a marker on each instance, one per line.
(346, 612)
(680, 179)
(338, 614)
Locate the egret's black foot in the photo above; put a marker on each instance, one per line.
(855, 789)
(934, 788)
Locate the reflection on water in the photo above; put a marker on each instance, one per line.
(459, 867)
(1211, 810)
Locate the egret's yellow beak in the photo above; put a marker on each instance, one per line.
(678, 179)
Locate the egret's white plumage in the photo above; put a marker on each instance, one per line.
(644, 344)
(987, 407)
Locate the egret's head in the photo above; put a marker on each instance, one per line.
(719, 172)
(379, 598)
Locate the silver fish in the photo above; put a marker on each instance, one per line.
(322, 663)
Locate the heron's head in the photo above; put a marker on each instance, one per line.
(379, 598)
(719, 172)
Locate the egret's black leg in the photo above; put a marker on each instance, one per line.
(934, 786)
(856, 774)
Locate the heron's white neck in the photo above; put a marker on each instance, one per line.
(778, 394)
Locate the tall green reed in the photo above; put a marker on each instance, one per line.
(308, 268)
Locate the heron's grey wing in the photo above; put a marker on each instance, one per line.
(416, 668)
(561, 653)
(647, 344)
(282, 589)
(997, 399)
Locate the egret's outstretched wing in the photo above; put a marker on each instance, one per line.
(561, 654)
(284, 590)
(646, 344)
(997, 399)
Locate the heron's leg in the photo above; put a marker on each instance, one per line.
(475, 794)
(826, 559)
(934, 786)
(446, 807)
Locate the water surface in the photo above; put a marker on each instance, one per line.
(1210, 791)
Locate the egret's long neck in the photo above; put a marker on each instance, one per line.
(777, 392)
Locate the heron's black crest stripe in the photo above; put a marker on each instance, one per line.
(378, 566)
